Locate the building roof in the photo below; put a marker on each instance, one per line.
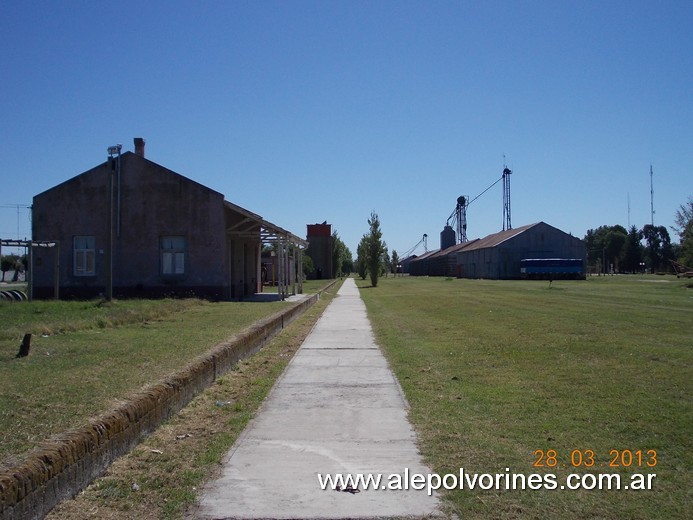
(125, 157)
(496, 239)
(454, 249)
(428, 254)
(268, 232)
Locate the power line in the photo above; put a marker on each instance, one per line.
(17, 207)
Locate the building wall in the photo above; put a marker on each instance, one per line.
(154, 202)
(407, 263)
(503, 260)
(421, 265)
(320, 250)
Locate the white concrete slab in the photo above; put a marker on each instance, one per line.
(345, 357)
(336, 409)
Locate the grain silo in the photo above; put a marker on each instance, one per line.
(447, 238)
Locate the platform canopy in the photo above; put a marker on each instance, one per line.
(253, 226)
(269, 233)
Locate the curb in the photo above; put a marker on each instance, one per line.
(70, 461)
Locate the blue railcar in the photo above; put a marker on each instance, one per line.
(552, 268)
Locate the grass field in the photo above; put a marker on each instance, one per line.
(496, 370)
(86, 356)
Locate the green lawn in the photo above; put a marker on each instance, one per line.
(496, 370)
(85, 356)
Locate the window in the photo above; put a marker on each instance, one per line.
(173, 256)
(84, 254)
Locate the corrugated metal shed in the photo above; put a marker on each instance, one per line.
(406, 263)
(419, 266)
(496, 239)
(444, 263)
(498, 256)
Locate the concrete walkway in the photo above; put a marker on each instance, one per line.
(336, 409)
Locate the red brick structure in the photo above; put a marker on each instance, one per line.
(320, 250)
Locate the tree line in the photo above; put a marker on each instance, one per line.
(649, 249)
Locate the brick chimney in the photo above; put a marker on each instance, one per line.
(139, 146)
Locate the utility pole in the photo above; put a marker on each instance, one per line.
(113, 165)
(18, 208)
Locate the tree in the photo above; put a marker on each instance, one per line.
(375, 247)
(8, 262)
(361, 253)
(308, 266)
(632, 251)
(683, 218)
(395, 261)
(684, 228)
(685, 255)
(605, 245)
(613, 247)
(658, 246)
(386, 266)
(347, 262)
(341, 256)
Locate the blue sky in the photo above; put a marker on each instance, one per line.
(311, 111)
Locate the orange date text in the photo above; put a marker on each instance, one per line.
(588, 458)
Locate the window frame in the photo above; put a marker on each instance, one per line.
(81, 256)
(173, 253)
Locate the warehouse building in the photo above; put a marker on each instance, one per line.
(499, 256)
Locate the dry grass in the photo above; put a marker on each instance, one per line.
(161, 477)
(104, 353)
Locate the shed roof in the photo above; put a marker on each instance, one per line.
(268, 232)
(428, 254)
(496, 239)
(453, 249)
